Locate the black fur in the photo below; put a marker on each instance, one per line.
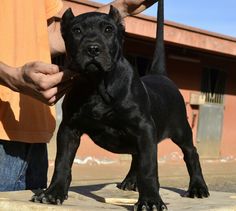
(119, 111)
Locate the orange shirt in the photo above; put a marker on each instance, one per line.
(24, 38)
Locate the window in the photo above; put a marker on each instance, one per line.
(213, 85)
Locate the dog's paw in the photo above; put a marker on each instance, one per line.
(150, 206)
(49, 197)
(197, 189)
(129, 184)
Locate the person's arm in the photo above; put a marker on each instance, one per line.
(36, 79)
(56, 41)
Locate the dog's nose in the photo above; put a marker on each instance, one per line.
(93, 50)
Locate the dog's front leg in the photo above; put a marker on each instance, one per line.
(68, 141)
(147, 176)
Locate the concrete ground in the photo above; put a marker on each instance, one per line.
(101, 197)
(220, 175)
(94, 188)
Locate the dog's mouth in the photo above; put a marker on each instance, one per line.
(86, 65)
(92, 66)
(95, 66)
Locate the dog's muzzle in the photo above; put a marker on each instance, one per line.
(90, 57)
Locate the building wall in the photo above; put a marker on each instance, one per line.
(228, 145)
(187, 76)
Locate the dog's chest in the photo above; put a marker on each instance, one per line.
(94, 115)
(96, 109)
(105, 124)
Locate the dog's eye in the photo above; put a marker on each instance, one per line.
(109, 29)
(76, 30)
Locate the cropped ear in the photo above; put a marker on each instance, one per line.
(68, 15)
(66, 19)
(115, 15)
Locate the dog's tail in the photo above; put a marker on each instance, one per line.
(158, 64)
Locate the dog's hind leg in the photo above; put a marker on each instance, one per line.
(130, 181)
(197, 185)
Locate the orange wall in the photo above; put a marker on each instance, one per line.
(188, 77)
(228, 147)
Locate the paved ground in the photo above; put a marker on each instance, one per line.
(101, 197)
(220, 175)
(94, 188)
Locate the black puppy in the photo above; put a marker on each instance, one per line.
(119, 111)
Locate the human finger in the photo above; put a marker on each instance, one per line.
(58, 78)
(61, 90)
(46, 68)
(41, 67)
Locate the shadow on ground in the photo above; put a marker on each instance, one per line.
(181, 192)
(88, 191)
(95, 192)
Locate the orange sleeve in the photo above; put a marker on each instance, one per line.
(52, 7)
(24, 38)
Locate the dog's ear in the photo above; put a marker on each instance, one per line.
(115, 15)
(68, 15)
(65, 21)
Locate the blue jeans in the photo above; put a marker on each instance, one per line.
(23, 166)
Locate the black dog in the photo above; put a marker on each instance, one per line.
(119, 111)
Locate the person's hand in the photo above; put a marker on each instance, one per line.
(134, 7)
(128, 7)
(45, 82)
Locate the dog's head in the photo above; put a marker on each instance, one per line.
(93, 40)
